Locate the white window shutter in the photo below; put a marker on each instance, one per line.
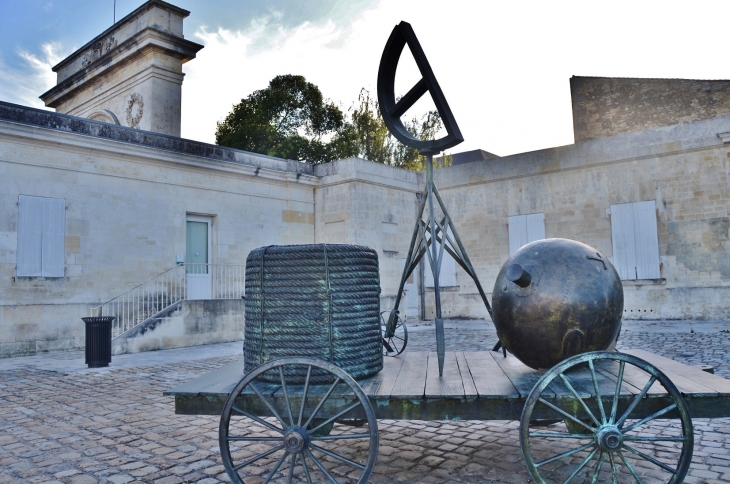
(535, 225)
(30, 236)
(517, 227)
(647, 240)
(54, 233)
(635, 240)
(623, 240)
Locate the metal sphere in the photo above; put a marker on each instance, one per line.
(555, 298)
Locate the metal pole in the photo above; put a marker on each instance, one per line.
(422, 281)
(392, 319)
(435, 266)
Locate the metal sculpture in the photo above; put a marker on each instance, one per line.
(313, 300)
(555, 298)
(395, 344)
(609, 425)
(430, 237)
(304, 418)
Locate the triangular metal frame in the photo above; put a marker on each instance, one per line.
(430, 236)
(424, 234)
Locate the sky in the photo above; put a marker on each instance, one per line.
(504, 66)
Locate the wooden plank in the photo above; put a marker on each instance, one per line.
(227, 380)
(486, 374)
(470, 389)
(489, 379)
(448, 385)
(688, 380)
(370, 385)
(521, 376)
(221, 380)
(581, 381)
(411, 380)
(636, 379)
(626, 387)
(387, 376)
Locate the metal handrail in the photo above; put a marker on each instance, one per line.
(159, 293)
(137, 286)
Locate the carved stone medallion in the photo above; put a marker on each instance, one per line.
(135, 110)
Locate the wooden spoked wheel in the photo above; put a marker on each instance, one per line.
(629, 434)
(396, 344)
(290, 431)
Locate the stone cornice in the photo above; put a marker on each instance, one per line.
(359, 170)
(119, 25)
(288, 170)
(647, 145)
(104, 159)
(117, 58)
(147, 73)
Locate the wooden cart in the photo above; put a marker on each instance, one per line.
(566, 433)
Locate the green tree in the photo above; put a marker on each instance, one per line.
(289, 119)
(375, 143)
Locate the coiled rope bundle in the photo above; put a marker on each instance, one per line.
(312, 300)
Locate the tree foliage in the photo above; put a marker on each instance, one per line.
(375, 143)
(291, 119)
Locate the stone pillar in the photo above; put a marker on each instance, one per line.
(131, 74)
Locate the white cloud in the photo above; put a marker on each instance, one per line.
(23, 85)
(504, 67)
(230, 68)
(342, 60)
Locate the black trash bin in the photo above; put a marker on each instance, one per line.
(98, 341)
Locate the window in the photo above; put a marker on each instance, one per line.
(447, 276)
(635, 240)
(41, 236)
(524, 229)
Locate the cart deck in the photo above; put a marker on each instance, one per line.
(475, 386)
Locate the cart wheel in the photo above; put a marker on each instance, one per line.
(609, 434)
(291, 447)
(396, 344)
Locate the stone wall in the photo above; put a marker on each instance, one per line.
(128, 192)
(366, 203)
(684, 168)
(126, 218)
(612, 106)
(190, 323)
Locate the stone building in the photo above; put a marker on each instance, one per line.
(103, 201)
(131, 74)
(650, 193)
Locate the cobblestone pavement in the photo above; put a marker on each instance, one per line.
(62, 423)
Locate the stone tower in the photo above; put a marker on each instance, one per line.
(131, 74)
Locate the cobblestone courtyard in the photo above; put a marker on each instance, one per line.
(114, 425)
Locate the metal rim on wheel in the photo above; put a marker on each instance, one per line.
(607, 435)
(396, 344)
(297, 444)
